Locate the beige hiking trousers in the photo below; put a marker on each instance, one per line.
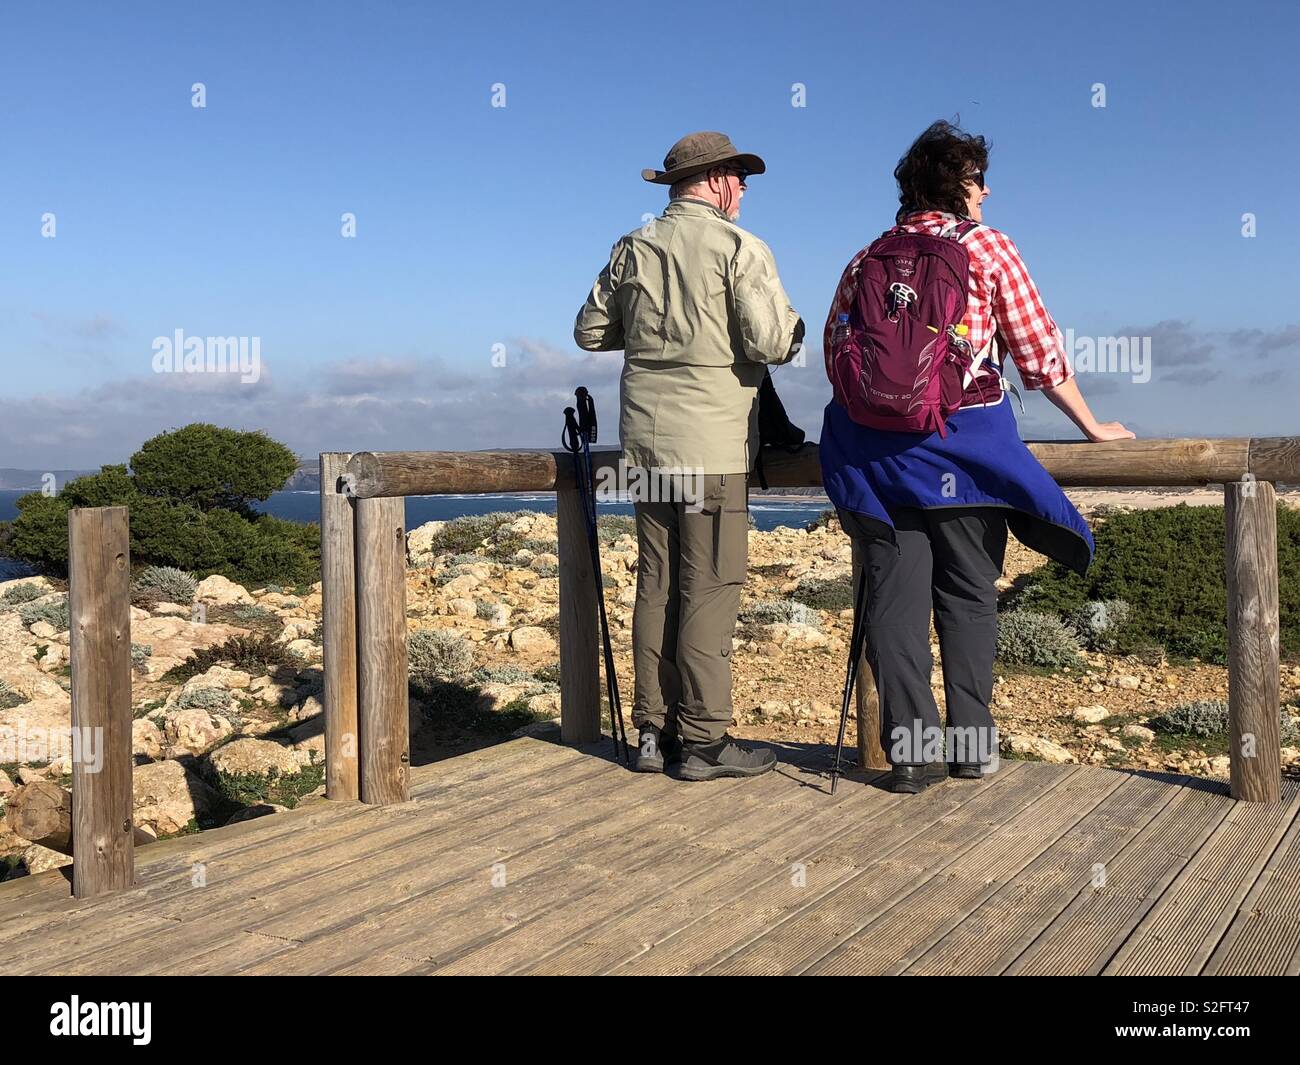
(689, 578)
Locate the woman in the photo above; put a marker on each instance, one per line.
(929, 510)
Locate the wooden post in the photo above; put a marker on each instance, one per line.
(579, 626)
(870, 754)
(382, 695)
(339, 626)
(99, 607)
(1250, 512)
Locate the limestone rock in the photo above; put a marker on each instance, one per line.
(1091, 715)
(167, 798)
(1138, 732)
(1041, 748)
(195, 729)
(221, 591)
(533, 640)
(147, 738)
(255, 757)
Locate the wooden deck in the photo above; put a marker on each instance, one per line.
(607, 871)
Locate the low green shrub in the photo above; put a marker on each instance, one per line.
(1208, 719)
(17, 594)
(256, 655)
(1100, 624)
(835, 593)
(438, 654)
(165, 584)
(55, 611)
(204, 699)
(1168, 565)
(777, 612)
(609, 527)
(1032, 638)
(10, 698)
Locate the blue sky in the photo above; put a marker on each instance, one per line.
(480, 226)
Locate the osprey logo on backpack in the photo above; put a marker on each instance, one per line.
(902, 364)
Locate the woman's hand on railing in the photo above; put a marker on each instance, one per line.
(1108, 431)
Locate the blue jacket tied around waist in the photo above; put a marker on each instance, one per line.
(981, 462)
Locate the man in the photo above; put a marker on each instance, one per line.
(695, 303)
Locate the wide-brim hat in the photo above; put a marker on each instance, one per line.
(698, 152)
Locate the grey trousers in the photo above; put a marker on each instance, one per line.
(946, 561)
(689, 578)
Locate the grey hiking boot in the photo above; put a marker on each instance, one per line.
(724, 758)
(656, 749)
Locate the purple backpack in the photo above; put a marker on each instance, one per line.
(902, 364)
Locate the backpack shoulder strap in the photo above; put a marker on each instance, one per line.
(959, 230)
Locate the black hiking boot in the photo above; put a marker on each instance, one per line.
(656, 749)
(912, 779)
(724, 758)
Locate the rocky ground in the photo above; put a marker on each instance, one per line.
(237, 731)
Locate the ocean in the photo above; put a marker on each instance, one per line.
(768, 511)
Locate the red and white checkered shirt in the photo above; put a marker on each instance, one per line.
(1002, 298)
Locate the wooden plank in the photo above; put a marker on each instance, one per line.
(1086, 934)
(452, 784)
(99, 606)
(1275, 458)
(713, 866)
(1264, 938)
(1178, 934)
(735, 922)
(339, 630)
(452, 908)
(1253, 677)
(208, 911)
(579, 624)
(991, 937)
(382, 699)
(233, 875)
(547, 907)
(891, 940)
(1177, 461)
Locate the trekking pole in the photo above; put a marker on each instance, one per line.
(851, 677)
(579, 431)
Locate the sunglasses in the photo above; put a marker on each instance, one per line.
(977, 178)
(742, 175)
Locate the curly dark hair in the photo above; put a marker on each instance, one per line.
(932, 174)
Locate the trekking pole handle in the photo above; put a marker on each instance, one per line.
(572, 437)
(586, 413)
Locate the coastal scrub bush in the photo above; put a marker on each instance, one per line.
(465, 535)
(438, 654)
(17, 594)
(140, 655)
(776, 612)
(55, 611)
(256, 655)
(1100, 623)
(609, 527)
(1030, 638)
(164, 584)
(191, 494)
(1208, 719)
(1168, 565)
(204, 699)
(10, 698)
(825, 593)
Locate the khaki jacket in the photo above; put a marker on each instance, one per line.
(695, 303)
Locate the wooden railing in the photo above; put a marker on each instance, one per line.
(358, 522)
(363, 556)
